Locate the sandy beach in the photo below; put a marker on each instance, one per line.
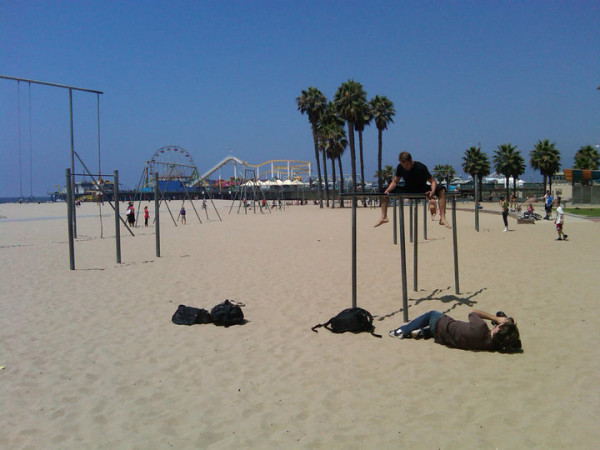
(91, 358)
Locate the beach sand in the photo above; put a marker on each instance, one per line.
(92, 360)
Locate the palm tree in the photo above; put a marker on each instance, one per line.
(509, 162)
(342, 151)
(518, 169)
(363, 120)
(349, 98)
(444, 172)
(322, 146)
(545, 157)
(334, 147)
(312, 102)
(386, 174)
(382, 110)
(328, 130)
(476, 164)
(587, 157)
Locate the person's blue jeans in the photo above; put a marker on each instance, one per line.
(425, 322)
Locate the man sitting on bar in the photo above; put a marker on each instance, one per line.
(416, 176)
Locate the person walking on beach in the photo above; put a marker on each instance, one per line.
(131, 214)
(471, 335)
(560, 221)
(146, 216)
(548, 205)
(416, 176)
(504, 206)
(182, 214)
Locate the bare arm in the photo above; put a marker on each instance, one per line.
(488, 316)
(433, 187)
(393, 184)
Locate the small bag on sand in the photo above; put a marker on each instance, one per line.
(354, 320)
(188, 315)
(227, 313)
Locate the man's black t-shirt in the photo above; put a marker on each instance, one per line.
(415, 180)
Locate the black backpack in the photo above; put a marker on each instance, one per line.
(355, 320)
(188, 315)
(227, 314)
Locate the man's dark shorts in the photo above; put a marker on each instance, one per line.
(400, 190)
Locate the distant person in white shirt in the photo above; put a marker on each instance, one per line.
(560, 221)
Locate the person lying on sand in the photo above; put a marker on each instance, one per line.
(416, 176)
(471, 335)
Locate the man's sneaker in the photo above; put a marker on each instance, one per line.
(417, 334)
(559, 239)
(397, 333)
(565, 237)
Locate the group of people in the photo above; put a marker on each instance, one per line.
(130, 213)
(559, 220)
(474, 334)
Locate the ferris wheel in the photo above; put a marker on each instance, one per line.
(172, 163)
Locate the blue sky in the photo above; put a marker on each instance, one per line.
(220, 75)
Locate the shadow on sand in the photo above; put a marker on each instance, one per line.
(451, 300)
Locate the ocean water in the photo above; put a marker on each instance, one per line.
(42, 199)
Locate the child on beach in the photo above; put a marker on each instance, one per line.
(146, 216)
(560, 221)
(182, 215)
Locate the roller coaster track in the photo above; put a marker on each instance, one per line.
(298, 166)
(218, 166)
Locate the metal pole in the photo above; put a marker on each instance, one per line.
(403, 259)
(476, 203)
(156, 215)
(117, 216)
(455, 245)
(425, 208)
(416, 247)
(72, 181)
(353, 251)
(410, 217)
(395, 221)
(70, 221)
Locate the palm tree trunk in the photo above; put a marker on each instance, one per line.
(379, 156)
(341, 181)
(352, 154)
(333, 177)
(362, 165)
(325, 176)
(316, 142)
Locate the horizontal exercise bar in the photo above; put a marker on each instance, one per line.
(25, 80)
(394, 194)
